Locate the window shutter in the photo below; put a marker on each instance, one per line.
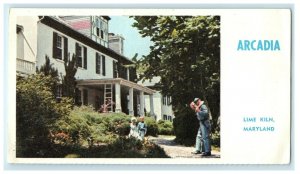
(85, 57)
(54, 48)
(103, 66)
(98, 65)
(65, 49)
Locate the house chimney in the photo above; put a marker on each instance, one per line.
(116, 43)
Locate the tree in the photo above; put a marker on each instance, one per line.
(69, 80)
(186, 55)
(48, 70)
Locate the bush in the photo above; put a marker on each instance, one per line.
(152, 128)
(215, 138)
(90, 125)
(37, 112)
(165, 127)
(185, 126)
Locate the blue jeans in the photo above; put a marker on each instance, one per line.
(203, 137)
(199, 142)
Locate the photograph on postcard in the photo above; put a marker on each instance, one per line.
(80, 96)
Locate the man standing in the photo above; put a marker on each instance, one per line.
(203, 134)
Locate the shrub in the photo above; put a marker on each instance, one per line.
(90, 125)
(152, 128)
(215, 138)
(185, 126)
(165, 127)
(37, 112)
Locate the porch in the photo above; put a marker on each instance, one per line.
(127, 96)
(25, 67)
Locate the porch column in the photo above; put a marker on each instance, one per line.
(131, 112)
(82, 97)
(118, 97)
(142, 103)
(151, 105)
(128, 75)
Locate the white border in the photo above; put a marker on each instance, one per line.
(188, 3)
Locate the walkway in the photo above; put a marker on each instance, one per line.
(178, 151)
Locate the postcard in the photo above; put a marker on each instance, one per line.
(150, 86)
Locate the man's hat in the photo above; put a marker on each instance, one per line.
(195, 100)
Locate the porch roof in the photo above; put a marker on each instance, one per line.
(122, 82)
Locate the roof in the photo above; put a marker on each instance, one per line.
(67, 30)
(19, 28)
(106, 17)
(123, 82)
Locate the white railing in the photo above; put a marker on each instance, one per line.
(25, 66)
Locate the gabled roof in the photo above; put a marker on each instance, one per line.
(67, 30)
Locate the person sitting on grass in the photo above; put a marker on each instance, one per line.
(142, 128)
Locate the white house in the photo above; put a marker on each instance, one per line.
(162, 104)
(101, 75)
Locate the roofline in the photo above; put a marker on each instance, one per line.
(106, 17)
(65, 29)
(95, 82)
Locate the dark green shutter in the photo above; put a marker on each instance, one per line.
(54, 48)
(85, 57)
(103, 66)
(65, 49)
(98, 64)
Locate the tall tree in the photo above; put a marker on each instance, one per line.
(186, 55)
(48, 70)
(69, 80)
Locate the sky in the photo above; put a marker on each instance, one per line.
(134, 42)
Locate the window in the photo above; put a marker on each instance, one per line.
(60, 46)
(170, 118)
(115, 69)
(98, 63)
(98, 31)
(102, 34)
(165, 117)
(165, 100)
(81, 53)
(58, 93)
(59, 42)
(168, 100)
(103, 66)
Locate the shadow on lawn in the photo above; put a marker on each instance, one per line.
(122, 148)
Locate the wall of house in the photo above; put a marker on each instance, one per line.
(45, 42)
(157, 105)
(29, 38)
(20, 46)
(160, 109)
